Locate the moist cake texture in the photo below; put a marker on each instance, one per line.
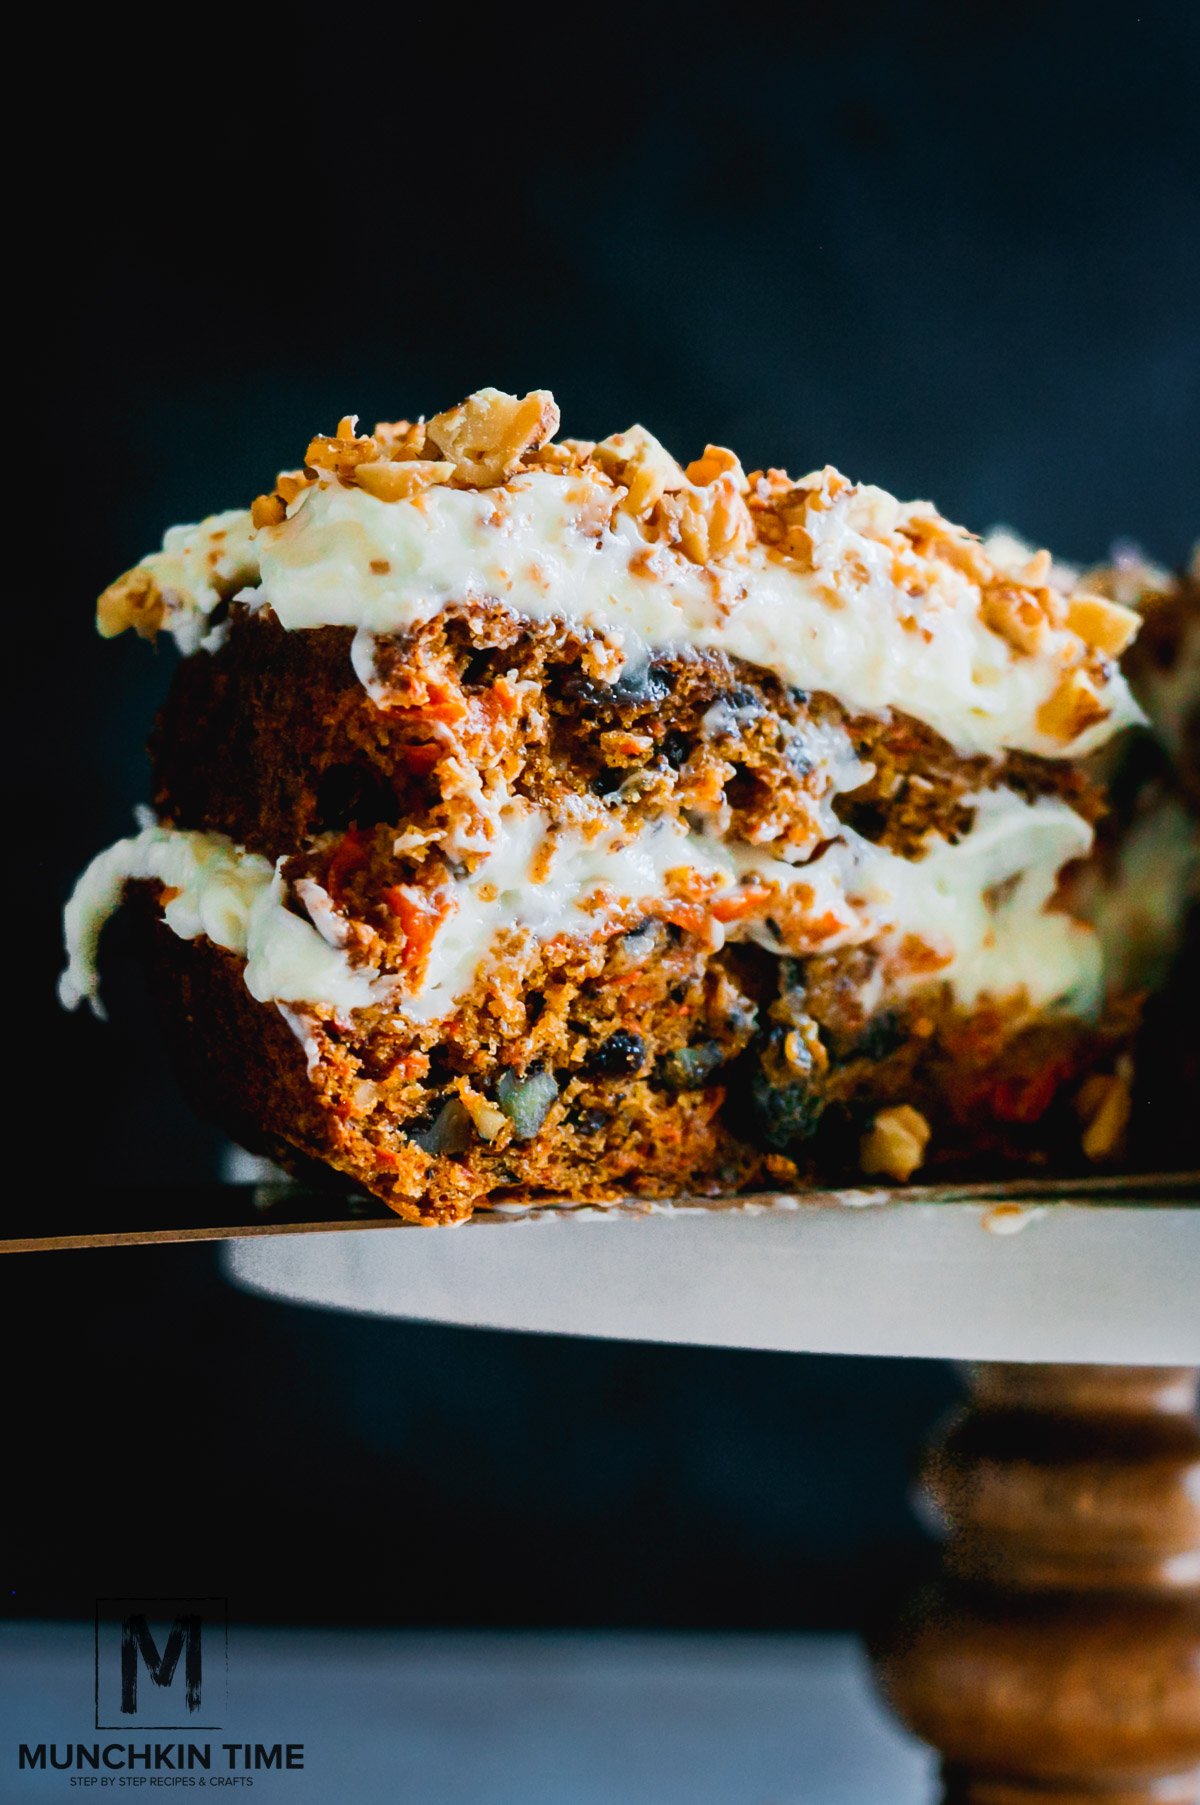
(537, 818)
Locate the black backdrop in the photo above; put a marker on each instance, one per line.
(952, 249)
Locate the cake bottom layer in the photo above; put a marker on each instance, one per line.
(650, 1070)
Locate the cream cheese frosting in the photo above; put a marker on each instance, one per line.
(982, 905)
(865, 616)
(829, 586)
(233, 898)
(996, 944)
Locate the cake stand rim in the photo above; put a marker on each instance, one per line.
(1074, 1282)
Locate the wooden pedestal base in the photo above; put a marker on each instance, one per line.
(1057, 1660)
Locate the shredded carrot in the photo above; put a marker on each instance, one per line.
(421, 755)
(501, 699)
(350, 854)
(691, 917)
(1025, 1099)
(1019, 1097)
(445, 702)
(740, 903)
(420, 916)
(918, 957)
(623, 980)
(822, 926)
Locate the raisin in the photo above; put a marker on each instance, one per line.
(642, 683)
(589, 1121)
(786, 1104)
(621, 1054)
(786, 1114)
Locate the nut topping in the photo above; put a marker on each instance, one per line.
(486, 436)
(895, 1144)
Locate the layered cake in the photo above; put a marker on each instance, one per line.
(535, 818)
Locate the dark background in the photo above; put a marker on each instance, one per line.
(952, 249)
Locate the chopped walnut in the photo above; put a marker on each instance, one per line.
(397, 482)
(486, 436)
(645, 468)
(1073, 707)
(717, 462)
(781, 509)
(268, 510)
(1015, 614)
(729, 525)
(1036, 574)
(134, 600)
(895, 1143)
(1104, 1105)
(401, 439)
(344, 452)
(685, 521)
(1105, 626)
(489, 1122)
(929, 533)
(563, 454)
(708, 522)
(290, 483)
(271, 510)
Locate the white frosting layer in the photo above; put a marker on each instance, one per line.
(981, 905)
(234, 898)
(847, 626)
(196, 567)
(990, 944)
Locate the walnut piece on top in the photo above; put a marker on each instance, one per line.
(134, 600)
(486, 436)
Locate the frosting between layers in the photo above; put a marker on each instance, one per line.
(197, 567)
(980, 905)
(854, 891)
(549, 546)
(232, 897)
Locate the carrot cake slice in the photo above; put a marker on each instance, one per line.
(539, 818)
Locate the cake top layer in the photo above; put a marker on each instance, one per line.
(830, 585)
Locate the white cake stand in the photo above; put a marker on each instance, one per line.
(1058, 1658)
(978, 1280)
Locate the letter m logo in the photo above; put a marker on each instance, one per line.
(161, 1663)
(137, 1642)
